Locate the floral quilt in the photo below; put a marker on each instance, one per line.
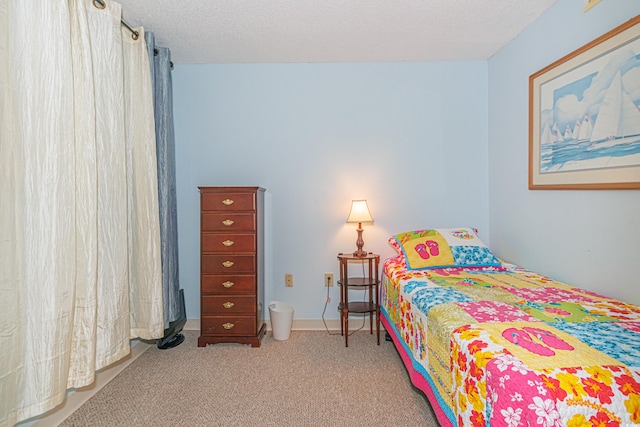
(509, 347)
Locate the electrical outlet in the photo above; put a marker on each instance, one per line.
(288, 280)
(328, 279)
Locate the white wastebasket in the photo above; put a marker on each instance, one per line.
(281, 315)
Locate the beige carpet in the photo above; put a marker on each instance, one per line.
(311, 379)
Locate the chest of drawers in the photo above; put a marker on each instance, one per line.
(231, 265)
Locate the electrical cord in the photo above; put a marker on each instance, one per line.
(328, 300)
(326, 303)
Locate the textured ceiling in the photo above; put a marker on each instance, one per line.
(265, 31)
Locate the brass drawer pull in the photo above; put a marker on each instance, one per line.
(228, 264)
(228, 222)
(228, 304)
(228, 284)
(228, 243)
(228, 325)
(227, 202)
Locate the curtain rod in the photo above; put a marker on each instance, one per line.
(101, 5)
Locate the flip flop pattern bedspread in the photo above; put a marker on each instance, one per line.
(514, 348)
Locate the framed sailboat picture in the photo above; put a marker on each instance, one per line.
(584, 116)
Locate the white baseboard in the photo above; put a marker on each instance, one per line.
(192, 325)
(298, 324)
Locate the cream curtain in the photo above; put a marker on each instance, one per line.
(80, 270)
(145, 261)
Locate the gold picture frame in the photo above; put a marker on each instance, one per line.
(588, 4)
(584, 116)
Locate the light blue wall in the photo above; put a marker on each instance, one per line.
(586, 238)
(411, 138)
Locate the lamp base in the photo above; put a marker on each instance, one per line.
(360, 243)
(360, 253)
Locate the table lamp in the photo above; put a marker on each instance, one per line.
(359, 214)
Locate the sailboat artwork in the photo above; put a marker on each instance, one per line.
(584, 116)
(594, 120)
(618, 118)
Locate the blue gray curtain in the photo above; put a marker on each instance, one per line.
(160, 62)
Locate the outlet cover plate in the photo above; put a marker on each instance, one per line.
(328, 279)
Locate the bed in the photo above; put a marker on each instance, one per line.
(491, 343)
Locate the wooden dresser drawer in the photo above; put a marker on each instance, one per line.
(228, 325)
(228, 242)
(228, 264)
(228, 304)
(229, 222)
(228, 284)
(228, 202)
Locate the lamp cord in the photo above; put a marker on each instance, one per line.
(326, 303)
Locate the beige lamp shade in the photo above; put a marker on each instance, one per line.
(359, 212)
